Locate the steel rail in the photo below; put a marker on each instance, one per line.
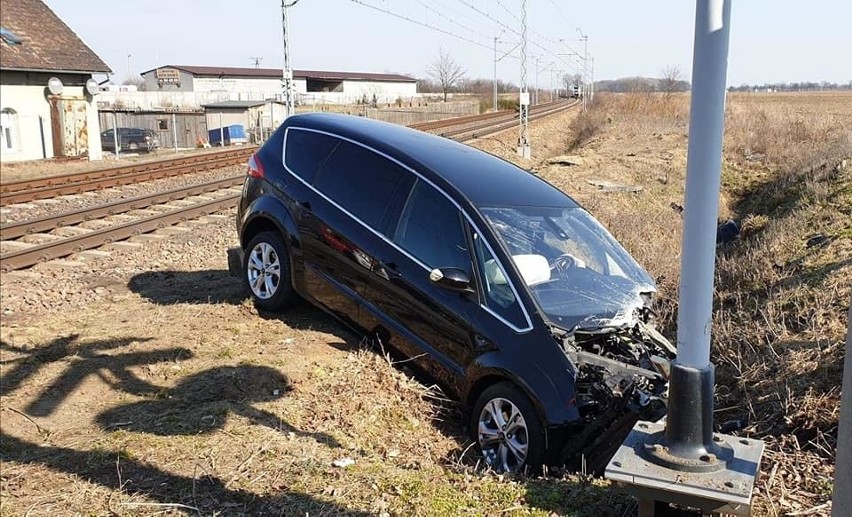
(38, 253)
(47, 223)
(469, 119)
(471, 133)
(127, 179)
(52, 250)
(110, 172)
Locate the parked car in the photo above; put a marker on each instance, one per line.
(492, 281)
(130, 139)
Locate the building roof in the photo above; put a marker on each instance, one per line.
(46, 43)
(227, 71)
(238, 104)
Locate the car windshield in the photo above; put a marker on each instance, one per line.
(578, 273)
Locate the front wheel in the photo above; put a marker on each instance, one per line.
(266, 271)
(508, 429)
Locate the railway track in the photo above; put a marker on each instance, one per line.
(77, 183)
(22, 255)
(467, 134)
(464, 129)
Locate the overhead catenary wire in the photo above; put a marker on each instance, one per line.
(454, 22)
(574, 66)
(422, 24)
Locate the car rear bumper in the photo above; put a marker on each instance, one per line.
(235, 261)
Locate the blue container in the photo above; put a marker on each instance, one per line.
(233, 134)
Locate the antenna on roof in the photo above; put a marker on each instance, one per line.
(256, 61)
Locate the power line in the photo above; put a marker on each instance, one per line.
(558, 10)
(444, 16)
(507, 27)
(422, 24)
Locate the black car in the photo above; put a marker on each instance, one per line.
(130, 139)
(493, 282)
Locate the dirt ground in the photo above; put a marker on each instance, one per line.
(144, 382)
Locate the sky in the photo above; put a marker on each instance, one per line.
(771, 40)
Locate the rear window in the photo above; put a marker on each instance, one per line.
(362, 182)
(305, 151)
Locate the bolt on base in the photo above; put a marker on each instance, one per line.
(636, 469)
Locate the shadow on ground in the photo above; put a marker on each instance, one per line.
(170, 287)
(93, 358)
(201, 403)
(205, 494)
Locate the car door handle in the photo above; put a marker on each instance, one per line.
(391, 269)
(482, 342)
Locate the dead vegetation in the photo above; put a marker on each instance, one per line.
(167, 393)
(782, 289)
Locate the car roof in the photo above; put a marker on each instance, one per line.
(482, 178)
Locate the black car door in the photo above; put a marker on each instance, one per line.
(339, 222)
(428, 323)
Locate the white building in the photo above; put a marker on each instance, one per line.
(37, 48)
(213, 83)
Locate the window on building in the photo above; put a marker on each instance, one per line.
(8, 130)
(163, 124)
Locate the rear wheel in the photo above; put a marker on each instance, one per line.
(508, 429)
(266, 271)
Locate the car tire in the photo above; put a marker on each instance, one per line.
(266, 272)
(508, 429)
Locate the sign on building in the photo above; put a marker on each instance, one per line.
(168, 76)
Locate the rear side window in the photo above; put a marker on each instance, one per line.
(430, 229)
(305, 151)
(362, 182)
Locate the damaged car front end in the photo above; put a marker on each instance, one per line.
(597, 302)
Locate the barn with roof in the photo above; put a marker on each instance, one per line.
(265, 83)
(46, 108)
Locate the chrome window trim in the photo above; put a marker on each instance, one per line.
(378, 234)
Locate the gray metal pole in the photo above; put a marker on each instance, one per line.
(287, 72)
(703, 174)
(842, 503)
(174, 131)
(537, 59)
(221, 131)
(495, 74)
(115, 134)
(524, 100)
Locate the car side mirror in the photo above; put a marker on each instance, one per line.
(451, 278)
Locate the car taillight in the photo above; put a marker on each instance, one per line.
(255, 167)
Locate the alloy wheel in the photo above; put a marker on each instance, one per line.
(503, 435)
(263, 271)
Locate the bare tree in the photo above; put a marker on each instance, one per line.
(136, 80)
(671, 80)
(445, 71)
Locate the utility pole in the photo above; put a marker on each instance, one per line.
(524, 98)
(842, 501)
(592, 95)
(683, 460)
(287, 79)
(585, 39)
(256, 61)
(537, 59)
(494, 106)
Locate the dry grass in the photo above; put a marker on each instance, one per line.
(780, 304)
(161, 398)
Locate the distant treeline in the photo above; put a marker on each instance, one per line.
(642, 84)
(808, 86)
(465, 85)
